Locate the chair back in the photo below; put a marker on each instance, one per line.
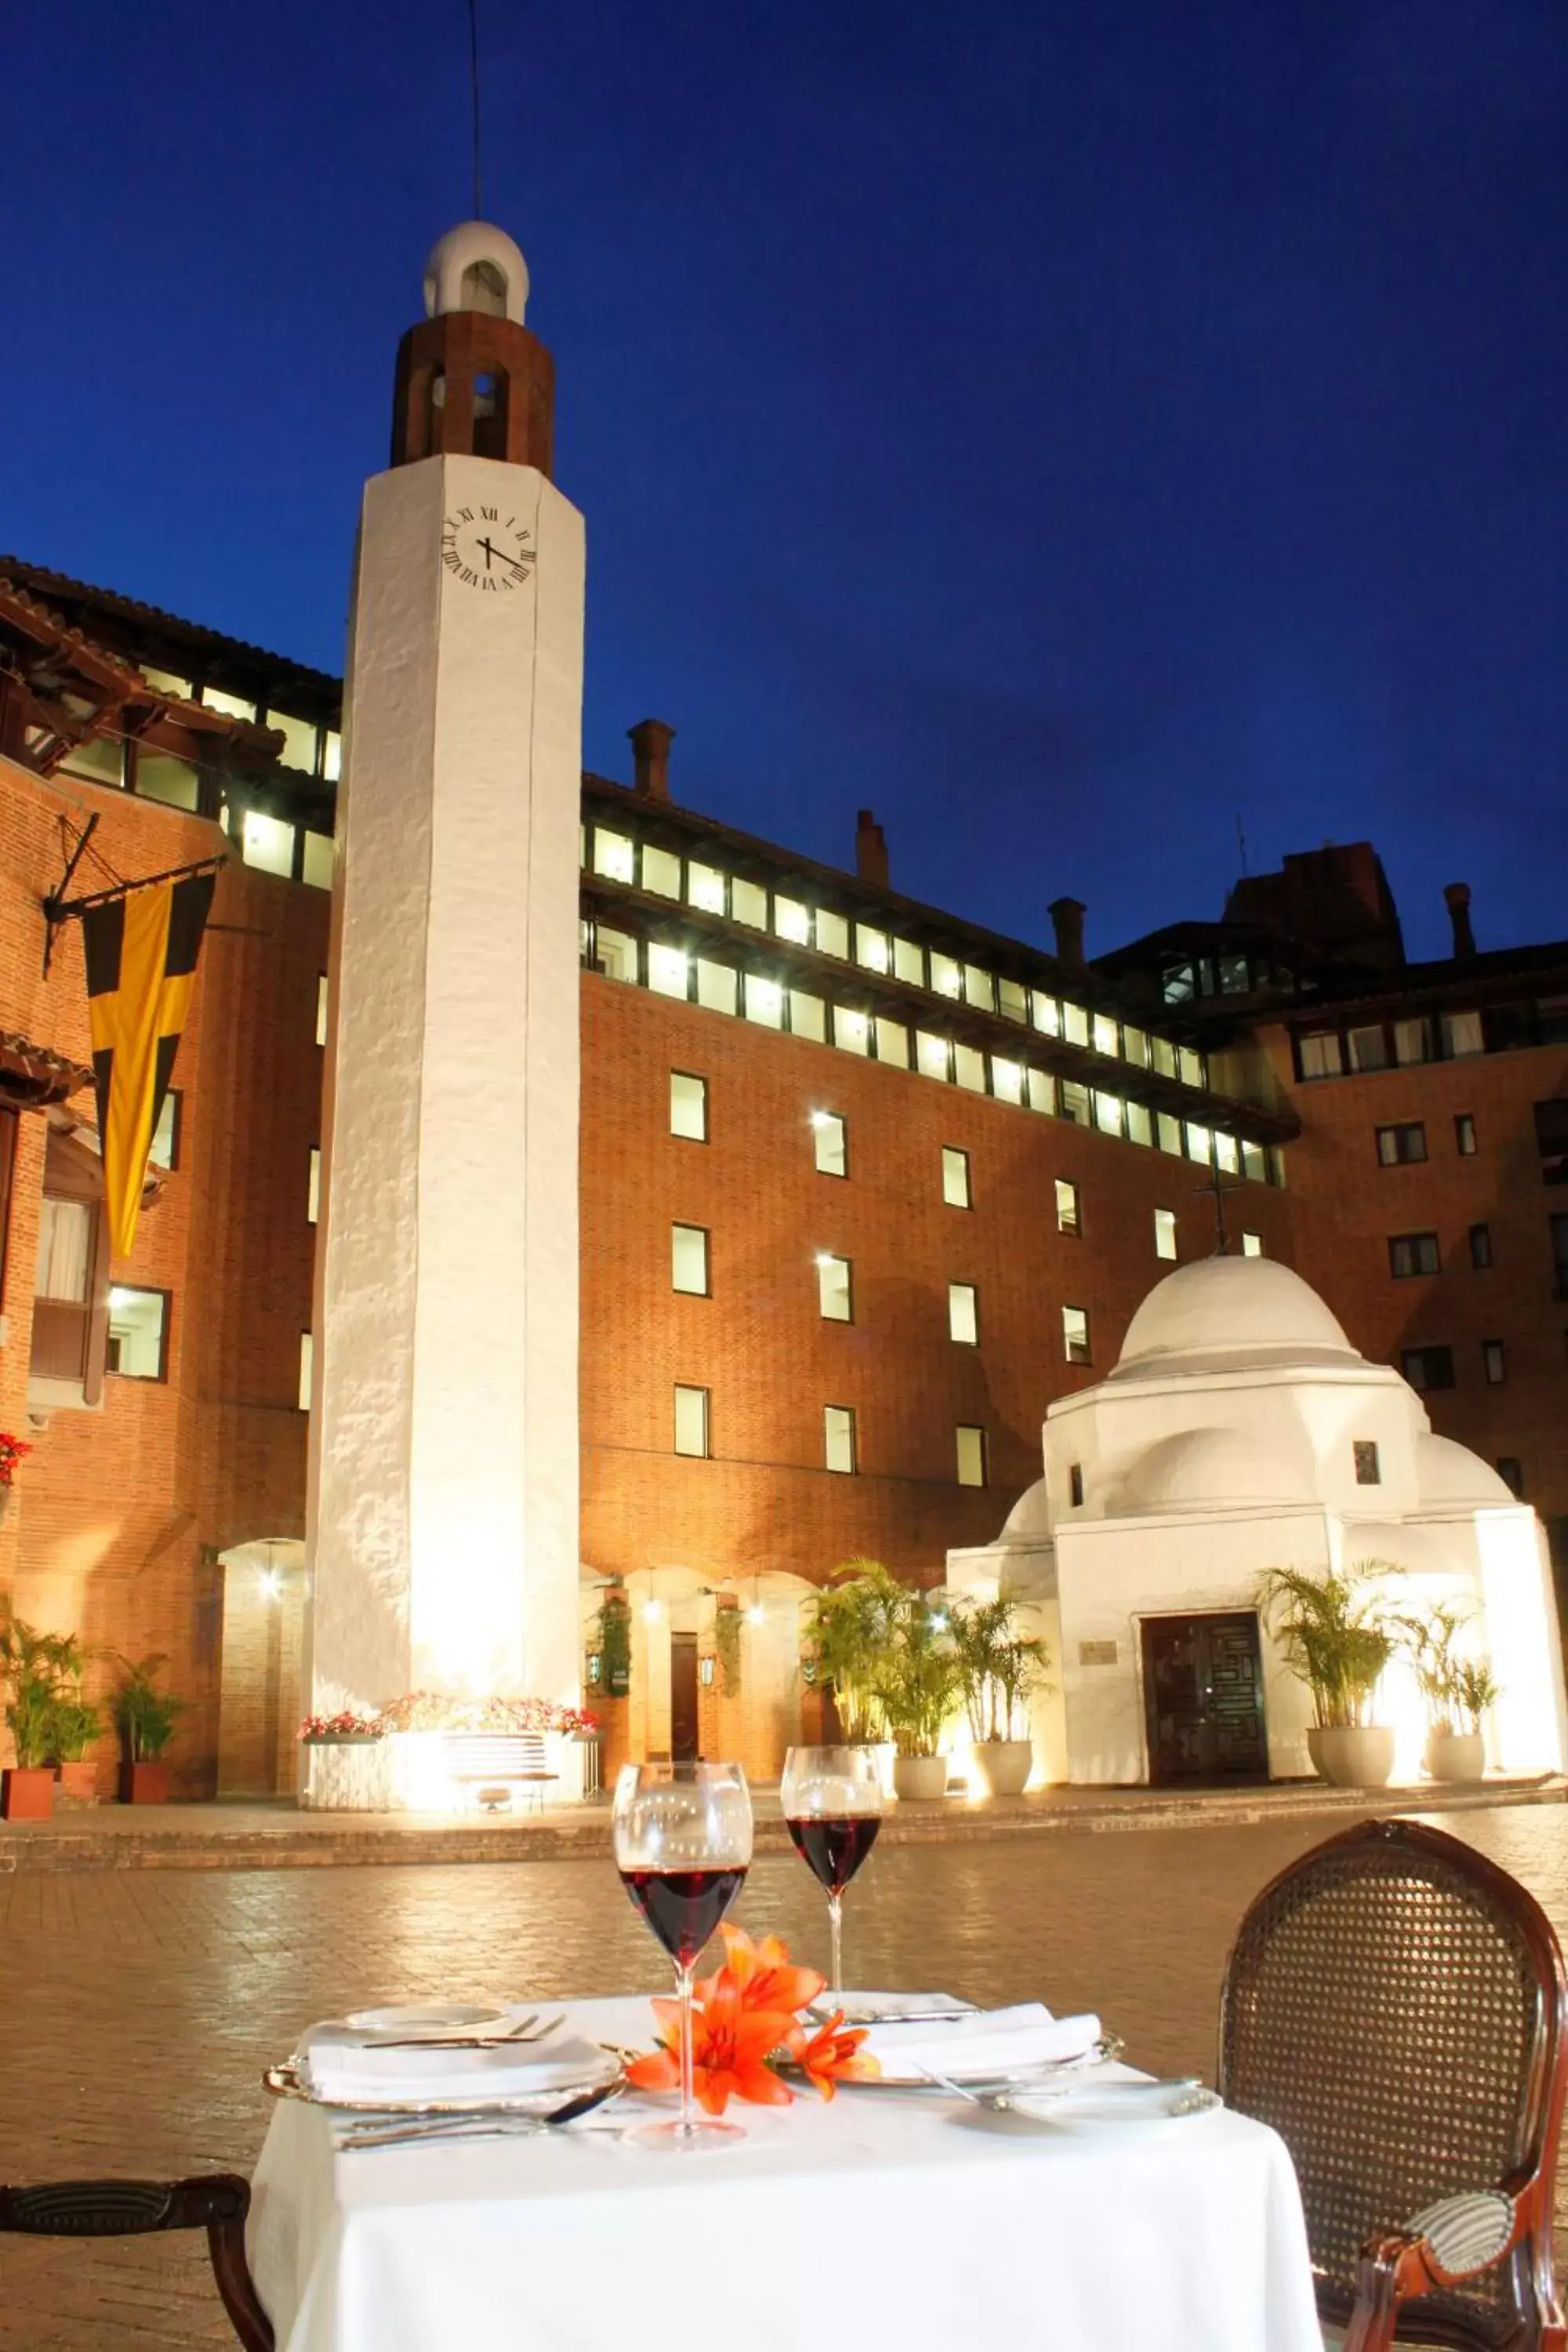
(1395, 2007)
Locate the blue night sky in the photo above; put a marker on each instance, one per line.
(1062, 426)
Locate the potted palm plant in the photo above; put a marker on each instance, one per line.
(999, 1671)
(1459, 1753)
(146, 1719)
(1337, 1638)
(32, 1667)
(76, 1723)
(848, 1628)
(916, 1683)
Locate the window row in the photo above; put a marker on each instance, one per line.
(1432, 1366)
(1416, 1254)
(1404, 1145)
(1346, 1049)
(665, 873)
(693, 1437)
(270, 844)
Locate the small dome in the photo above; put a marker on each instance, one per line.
(1447, 1473)
(1029, 1520)
(1206, 1469)
(1231, 1313)
(476, 266)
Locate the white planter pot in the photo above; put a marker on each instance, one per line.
(1457, 1756)
(1002, 1765)
(1358, 1757)
(920, 1777)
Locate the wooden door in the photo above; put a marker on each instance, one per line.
(685, 1743)
(1203, 1698)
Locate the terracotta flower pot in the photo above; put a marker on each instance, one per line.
(1358, 1756)
(1002, 1765)
(918, 1777)
(1457, 1756)
(28, 1793)
(143, 1784)
(78, 1782)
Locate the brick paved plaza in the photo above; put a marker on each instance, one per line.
(137, 2009)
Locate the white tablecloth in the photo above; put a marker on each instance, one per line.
(883, 2218)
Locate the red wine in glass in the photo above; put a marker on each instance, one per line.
(836, 1846)
(683, 1907)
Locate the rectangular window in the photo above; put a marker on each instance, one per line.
(969, 1067)
(1412, 1253)
(1401, 1146)
(1465, 1135)
(1254, 1165)
(1200, 1144)
(748, 904)
(1226, 1152)
(1411, 1043)
(1462, 1036)
(1042, 1092)
(1252, 1245)
(660, 871)
(613, 855)
(870, 948)
(160, 776)
(267, 844)
(1551, 1138)
(1494, 1362)
(1013, 999)
(1075, 1102)
(765, 1002)
(1190, 1067)
(1074, 1485)
(65, 1249)
(1140, 1126)
(1075, 1023)
(892, 1043)
(307, 1370)
(9, 1127)
(1074, 1335)
(1481, 1247)
(1552, 1020)
(979, 987)
(851, 1030)
(1166, 1233)
(791, 920)
(320, 1008)
(1428, 1368)
(165, 1144)
(1165, 1056)
(690, 1420)
(1069, 1218)
(705, 887)
(834, 1301)
(317, 859)
(832, 934)
(1006, 1080)
(1368, 1468)
(615, 955)
(830, 1143)
(963, 1314)
(1108, 1112)
(1104, 1033)
(313, 1187)
(688, 1259)
(688, 1105)
(668, 970)
(956, 1177)
(1318, 1052)
(1170, 1133)
(838, 1438)
(909, 963)
(718, 987)
(1046, 1013)
(1135, 1048)
(1369, 1049)
(933, 1057)
(807, 1016)
(1510, 1470)
(971, 1455)
(945, 978)
(138, 1334)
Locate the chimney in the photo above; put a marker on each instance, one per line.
(650, 741)
(870, 850)
(1457, 895)
(1068, 915)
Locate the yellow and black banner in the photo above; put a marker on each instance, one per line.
(141, 951)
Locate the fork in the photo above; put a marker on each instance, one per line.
(473, 2126)
(518, 2033)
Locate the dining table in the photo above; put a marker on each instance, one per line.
(885, 2216)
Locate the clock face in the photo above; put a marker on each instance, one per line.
(487, 548)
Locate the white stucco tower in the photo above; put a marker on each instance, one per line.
(443, 1542)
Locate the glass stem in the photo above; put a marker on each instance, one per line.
(688, 2098)
(835, 1921)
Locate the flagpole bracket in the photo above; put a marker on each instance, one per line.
(60, 910)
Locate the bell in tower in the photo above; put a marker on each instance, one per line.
(471, 380)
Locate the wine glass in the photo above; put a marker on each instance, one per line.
(682, 1838)
(832, 1799)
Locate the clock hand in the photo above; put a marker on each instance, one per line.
(490, 550)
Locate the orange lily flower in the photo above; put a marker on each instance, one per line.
(832, 2056)
(762, 1974)
(730, 2045)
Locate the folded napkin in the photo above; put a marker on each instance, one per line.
(991, 2042)
(342, 2065)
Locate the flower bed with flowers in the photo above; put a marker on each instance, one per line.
(439, 1711)
(12, 1450)
(319, 1729)
(747, 2020)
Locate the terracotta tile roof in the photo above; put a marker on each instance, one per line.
(34, 1074)
(195, 633)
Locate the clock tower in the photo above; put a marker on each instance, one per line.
(443, 1493)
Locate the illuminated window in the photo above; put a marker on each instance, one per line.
(138, 1334)
(1494, 1361)
(969, 1067)
(1105, 1034)
(851, 1031)
(1074, 1335)
(320, 1008)
(1200, 1144)
(660, 871)
(313, 1187)
(331, 755)
(1369, 1047)
(1166, 1233)
(233, 706)
(892, 1043)
(690, 1420)
(1042, 1092)
(165, 1145)
(1170, 1133)
(1006, 1079)
(1068, 1220)
(979, 988)
(1048, 1015)
(956, 1177)
(830, 1143)
(807, 1016)
(1227, 1155)
(1074, 1101)
(1135, 1048)
(1319, 1053)
(963, 1314)
(307, 1371)
(748, 904)
(971, 1452)
(669, 969)
(933, 1057)
(944, 975)
(765, 1002)
(1462, 1034)
(267, 844)
(1164, 1055)
(832, 934)
(615, 955)
(1396, 1145)
(1013, 999)
(870, 948)
(1412, 1041)
(1252, 1245)
(1254, 1165)
(1190, 1067)
(705, 887)
(791, 920)
(718, 987)
(910, 964)
(688, 1105)
(1075, 1024)
(838, 1437)
(614, 856)
(688, 1259)
(833, 1300)
(1107, 1115)
(1465, 1135)
(1140, 1126)
(316, 861)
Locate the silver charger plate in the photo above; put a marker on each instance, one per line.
(1126, 2105)
(286, 2082)
(995, 2078)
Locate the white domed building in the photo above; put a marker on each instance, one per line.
(1241, 1431)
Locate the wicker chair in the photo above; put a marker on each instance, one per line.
(217, 2202)
(1395, 2006)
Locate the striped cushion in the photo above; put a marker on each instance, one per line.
(1468, 2232)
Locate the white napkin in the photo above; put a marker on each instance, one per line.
(341, 2067)
(992, 2042)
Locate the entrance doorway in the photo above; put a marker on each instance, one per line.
(1203, 1699)
(685, 1741)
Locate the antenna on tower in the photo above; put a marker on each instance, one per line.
(474, 87)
